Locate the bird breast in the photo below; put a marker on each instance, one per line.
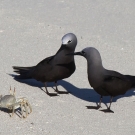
(95, 76)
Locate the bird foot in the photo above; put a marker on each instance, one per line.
(62, 92)
(98, 106)
(93, 107)
(107, 111)
(52, 94)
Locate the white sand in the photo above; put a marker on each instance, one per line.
(32, 30)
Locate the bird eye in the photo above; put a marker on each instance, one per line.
(69, 41)
(83, 52)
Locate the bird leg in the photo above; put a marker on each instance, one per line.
(99, 105)
(108, 109)
(50, 94)
(60, 92)
(110, 103)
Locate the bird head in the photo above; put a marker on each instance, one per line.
(90, 53)
(69, 40)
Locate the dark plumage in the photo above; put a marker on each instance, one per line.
(53, 68)
(105, 82)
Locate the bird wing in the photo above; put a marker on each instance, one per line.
(42, 69)
(109, 74)
(46, 60)
(115, 83)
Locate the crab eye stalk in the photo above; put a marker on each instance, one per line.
(69, 41)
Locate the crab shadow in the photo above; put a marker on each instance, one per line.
(86, 94)
(17, 111)
(6, 110)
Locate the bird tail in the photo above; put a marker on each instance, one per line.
(25, 72)
(132, 79)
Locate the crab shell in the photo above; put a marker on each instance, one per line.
(7, 100)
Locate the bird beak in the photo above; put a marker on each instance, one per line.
(64, 45)
(75, 53)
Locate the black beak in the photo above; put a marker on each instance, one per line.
(75, 53)
(64, 46)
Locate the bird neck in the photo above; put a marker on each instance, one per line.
(95, 68)
(61, 57)
(94, 62)
(95, 72)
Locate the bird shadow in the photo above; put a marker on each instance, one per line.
(91, 95)
(86, 94)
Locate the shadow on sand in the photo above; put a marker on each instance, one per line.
(17, 111)
(83, 93)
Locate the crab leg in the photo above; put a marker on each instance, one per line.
(28, 104)
(11, 107)
(23, 116)
(25, 109)
(13, 111)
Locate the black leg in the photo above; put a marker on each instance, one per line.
(110, 102)
(108, 110)
(50, 94)
(60, 92)
(99, 105)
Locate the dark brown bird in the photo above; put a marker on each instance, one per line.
(105, 82)
(53, 68)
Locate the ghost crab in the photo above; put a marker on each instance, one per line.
(12, 103)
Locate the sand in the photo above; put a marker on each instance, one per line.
(32, 30)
